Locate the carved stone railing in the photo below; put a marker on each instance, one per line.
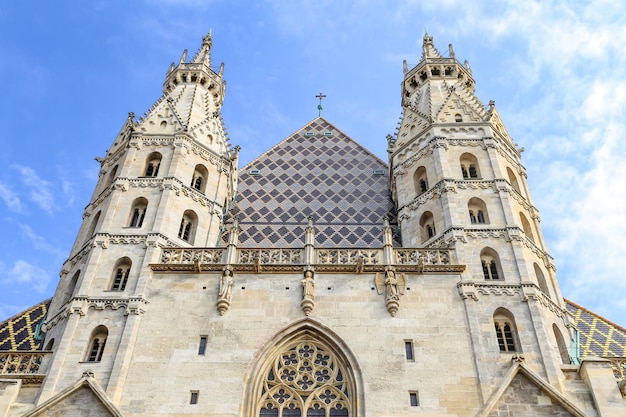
(271, 256)
(423, 256)
(30, 366)
(349, 256)
(192, 255)
(619, 368)
(324, 260)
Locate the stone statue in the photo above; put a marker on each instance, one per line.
(308, 285)
(393, 286)
(226, 284)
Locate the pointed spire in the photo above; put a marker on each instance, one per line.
(428, 48)
(183, 57)
(204, 54)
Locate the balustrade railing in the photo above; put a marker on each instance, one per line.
(425, 256)
(322, 256)
(23, 363)
(191, 255)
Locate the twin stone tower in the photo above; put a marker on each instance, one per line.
(318, 280)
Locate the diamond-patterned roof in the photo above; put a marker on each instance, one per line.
(18, 332)
(598, 336)
(317, 171)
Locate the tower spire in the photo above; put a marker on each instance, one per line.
(203, 56)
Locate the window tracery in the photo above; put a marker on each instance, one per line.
(305, 380)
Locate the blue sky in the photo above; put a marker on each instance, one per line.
(71, 71)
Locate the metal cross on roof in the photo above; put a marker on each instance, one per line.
(319, 106)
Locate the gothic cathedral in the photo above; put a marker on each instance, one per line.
(316, 281)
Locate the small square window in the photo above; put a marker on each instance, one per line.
(328, 134)
(202, 346)
(309, 134)
(414, 399)
(408, 348)
(379, 172)
(254, 172)
(193, 398)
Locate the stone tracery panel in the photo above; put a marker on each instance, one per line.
(305, 379)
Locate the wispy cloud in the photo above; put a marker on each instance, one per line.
(23, 273)
(10, 198)
(40, 190)
(40, 243)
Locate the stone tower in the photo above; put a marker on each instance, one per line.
(283, 291)
(458, 182)
(165, 181)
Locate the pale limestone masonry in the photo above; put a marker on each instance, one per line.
(168, 306)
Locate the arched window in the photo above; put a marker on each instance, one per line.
(458, 118)
(469, 166)
(93, 225)
(96, 344)
(477, 211)
(541, 280)
(120, 274)
(506, 332)
(153, 162)
(427, 226)
(71, 287)
(560, 342)
(306, 379)
(420, 180)
(199, 179)
(112, 175)
(187, 227)
(490, 262)
(50, 344)
(138, 212)
(513, 180)
(528, 231)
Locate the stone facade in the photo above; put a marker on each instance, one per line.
(176, 299)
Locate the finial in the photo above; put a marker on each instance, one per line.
(319, 106)
(405, 67)
(310, 220)
(183, 58)
(208, 39)
(467, 66)
(221, 72)
(492, 104)
(450, 50)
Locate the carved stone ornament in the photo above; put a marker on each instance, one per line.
(225, 292)
(308, 292)
(393, 286)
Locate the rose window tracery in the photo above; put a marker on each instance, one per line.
(305, 380)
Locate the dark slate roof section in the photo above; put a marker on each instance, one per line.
(18, 332)
(598, 336)
(317, 171)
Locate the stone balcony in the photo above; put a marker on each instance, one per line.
(29, 366)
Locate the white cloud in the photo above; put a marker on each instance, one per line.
(39, 242)
(40, 192)
(24, 273)
(9, 197)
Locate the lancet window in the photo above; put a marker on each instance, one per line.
(305, 379)
(506, 332)
(96, 344)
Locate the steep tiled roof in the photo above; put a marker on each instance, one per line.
(598, 336)
(18, 332)
(317, 171)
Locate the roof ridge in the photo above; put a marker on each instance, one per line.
(578, 306)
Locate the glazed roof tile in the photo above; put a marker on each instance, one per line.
(18, 332)
(598, 336)
(321, 172)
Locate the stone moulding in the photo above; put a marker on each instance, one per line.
(30, 367)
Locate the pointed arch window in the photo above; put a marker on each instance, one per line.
(513, 180)
(120, 276)
(96, 344)
(305, 379)
(427, 226)
(138, 212)
(187, 227)
(200, 175)
(477, 211)
(490, 263)
(506, 332)
(469, 166)
(420, 180)
(153, 162)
